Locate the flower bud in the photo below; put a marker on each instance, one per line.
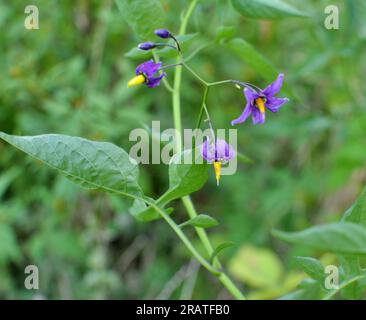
(146, 46)
(162, 33)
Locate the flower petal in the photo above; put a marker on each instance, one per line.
(274, 87)
(274, 104)
(153, 82)
(258, 117)
(245, 114)
(250, 95)
(149, 68)
(224, 151)
(207, 152)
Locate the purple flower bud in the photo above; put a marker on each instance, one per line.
(162, 33)
(146, 46)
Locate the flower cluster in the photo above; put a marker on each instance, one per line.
(145, 72)
(258, 100)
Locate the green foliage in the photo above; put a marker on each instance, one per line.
(357, 213)
(143, 16)
(308, 167)
(94, 165)
(221, 247)
(253, 58)
(187, 174)
(343, 238)
(201, 221)
(266, 9)
(312, 267)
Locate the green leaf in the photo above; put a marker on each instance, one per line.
(220, 248)
(343, 238)
(253, 58)
(185, 178)
(343, 286)
(351, 265)
(224, 33)
(142, 16)
(357, 213)
(201, 221)
(312, 267)
(266, 9)
(94, 165)
(257, 61)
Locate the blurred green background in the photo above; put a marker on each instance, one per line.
(70, 77)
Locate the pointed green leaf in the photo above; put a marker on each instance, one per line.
(253, 58)
(343, 238)
(220, 248)
(312, 267)
(266, 9)
(94, 165)
(185, 178)
(257, 61)
(351, 265)
(357, 213)
(142, 16)
(201, 221)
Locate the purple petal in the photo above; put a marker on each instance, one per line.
(274, 104)
(148, 68)
(221, 151)
(245, 114)
(274, 87)
(153, 82)
(224, 151)
(207, 152)
(250, 95)
(258, 117)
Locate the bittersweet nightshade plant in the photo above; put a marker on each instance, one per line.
(104, 166)
(214, 151)
(260, 100)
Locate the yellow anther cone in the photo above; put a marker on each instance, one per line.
(217, 168)
(136, 81)
(260, 103)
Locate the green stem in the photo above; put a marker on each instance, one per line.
(186, 241)
(176, 108)
(196, 75)
(202, 110)
(225, 280)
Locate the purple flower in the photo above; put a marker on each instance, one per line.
(217, 153)
(145, 74)
(147, 45)
(162, 33)
(257, 102)
(220, 151)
